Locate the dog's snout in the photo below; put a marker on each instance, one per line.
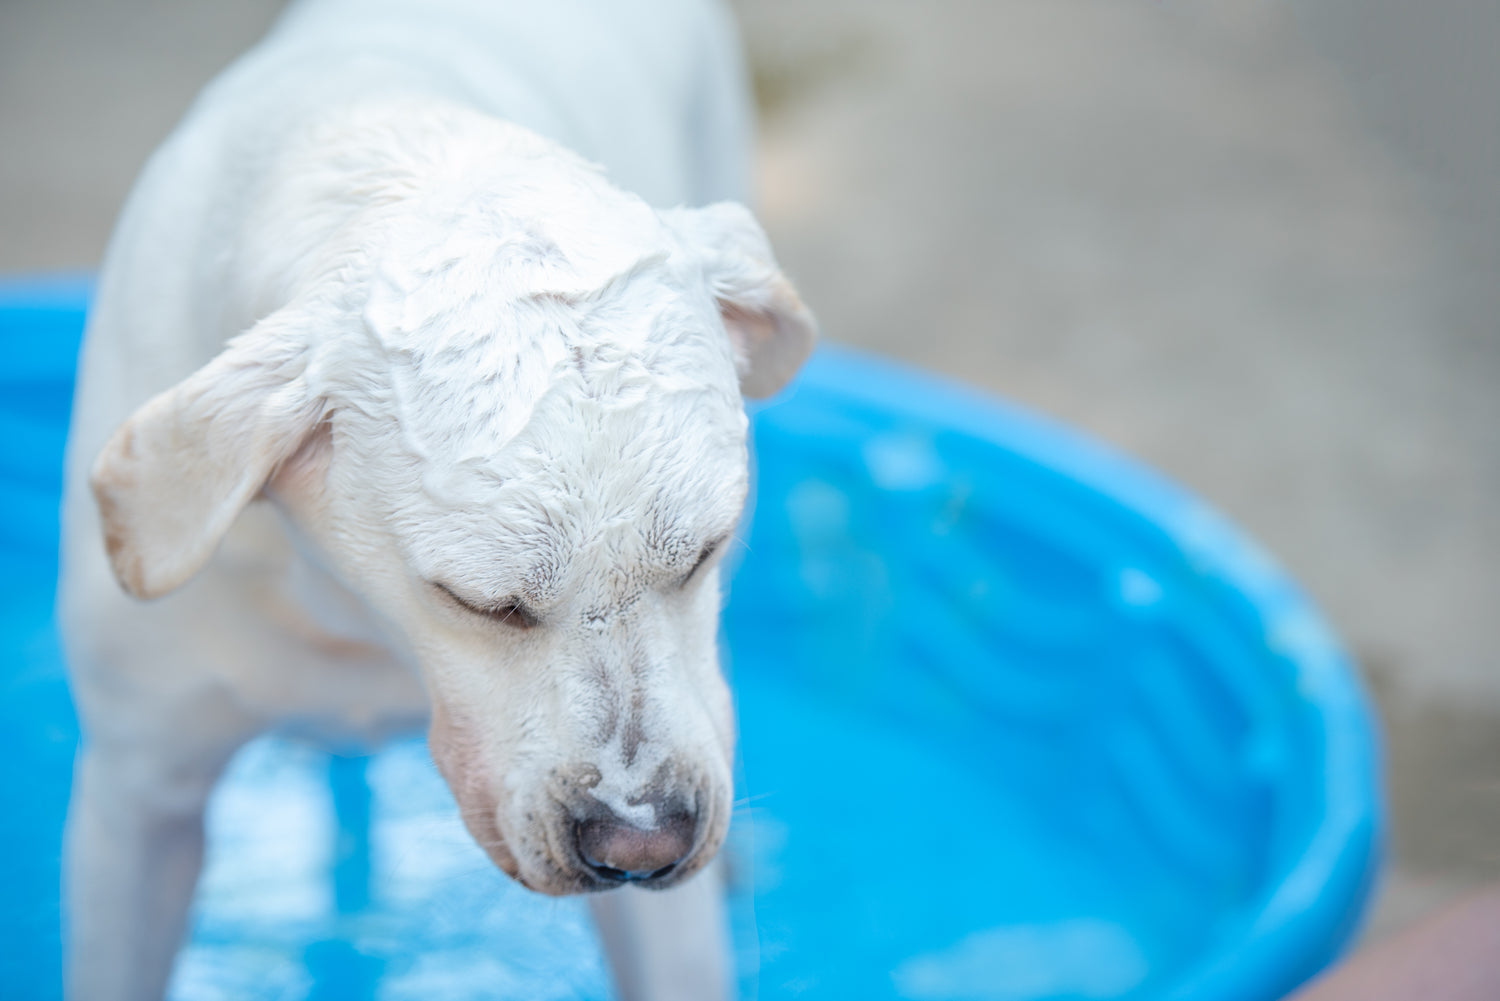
(619, 852)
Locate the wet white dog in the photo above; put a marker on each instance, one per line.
(494, 400)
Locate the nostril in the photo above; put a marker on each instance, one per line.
(622, 853)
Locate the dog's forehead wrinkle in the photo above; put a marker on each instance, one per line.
(587, 469)
(565, 232)
(470, 397)
(472, 346)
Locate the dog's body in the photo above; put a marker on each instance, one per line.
(495, 403)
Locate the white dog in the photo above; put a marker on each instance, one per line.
(494, 399)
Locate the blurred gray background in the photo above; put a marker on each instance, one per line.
(1253, 243)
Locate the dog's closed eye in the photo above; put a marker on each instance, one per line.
(511, 612)
(708, 553)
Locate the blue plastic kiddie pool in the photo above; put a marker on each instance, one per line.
(1019, 721)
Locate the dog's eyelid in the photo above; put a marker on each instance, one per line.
(708, 553)
(511, 611)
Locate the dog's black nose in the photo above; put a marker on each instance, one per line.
(620, 852)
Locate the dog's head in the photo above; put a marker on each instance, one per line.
(519, 435)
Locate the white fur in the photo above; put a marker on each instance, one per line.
(466, 367)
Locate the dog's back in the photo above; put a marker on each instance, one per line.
(651, 89)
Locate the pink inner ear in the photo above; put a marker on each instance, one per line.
(749, 330)
(770, 344)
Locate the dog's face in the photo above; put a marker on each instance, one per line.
(524, 446)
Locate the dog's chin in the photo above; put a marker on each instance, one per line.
(546, 876)
(500, 854)
(528, 856)
(535, 858)
(541, 875)
(560, 884)
(482, 827)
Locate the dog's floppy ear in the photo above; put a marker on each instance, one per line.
(772, 331)
(173, 477)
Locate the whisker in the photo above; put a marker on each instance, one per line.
(747, 800)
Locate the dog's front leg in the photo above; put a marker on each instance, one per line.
(135, 845)
(667, 945)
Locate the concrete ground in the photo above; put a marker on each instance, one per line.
(1250, 245)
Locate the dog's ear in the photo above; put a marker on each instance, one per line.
(173, 477)
(772, 331)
